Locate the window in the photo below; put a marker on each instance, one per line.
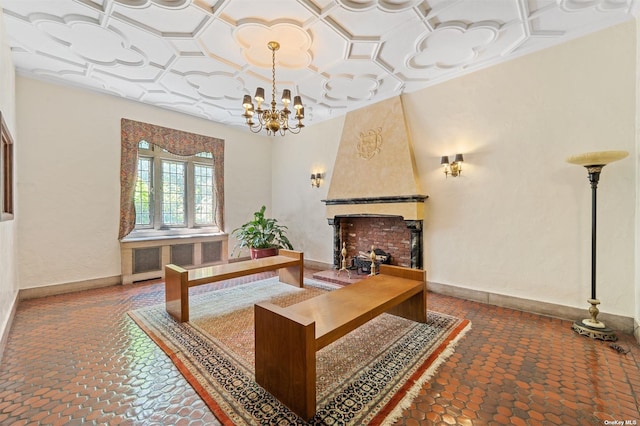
(204, 204)
(203, 192)
(6, 172)
(172, 192)
(174, 188)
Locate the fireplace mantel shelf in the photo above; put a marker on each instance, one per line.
(378, 200)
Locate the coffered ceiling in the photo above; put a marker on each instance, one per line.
(201, 56)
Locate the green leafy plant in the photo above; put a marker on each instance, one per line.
(261, 233)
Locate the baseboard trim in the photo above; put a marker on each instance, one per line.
(52, 290)
(616, 322)
(7, 327)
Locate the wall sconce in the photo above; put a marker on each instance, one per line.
(455, 167)
(316, 179)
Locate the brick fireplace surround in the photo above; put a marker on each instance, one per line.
(402, 239)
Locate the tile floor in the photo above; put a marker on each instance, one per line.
(79, 359)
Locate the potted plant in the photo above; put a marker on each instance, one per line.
(263, 236)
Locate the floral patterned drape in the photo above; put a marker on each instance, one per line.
(175, 141)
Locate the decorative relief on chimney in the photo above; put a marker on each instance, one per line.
(365, 134)
(370, 143)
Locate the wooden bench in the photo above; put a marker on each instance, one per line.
(290, 265)
(286, 339)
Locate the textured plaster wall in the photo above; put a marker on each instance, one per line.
(517, 222)
(295, 203)
(69, 178)
(8, 270)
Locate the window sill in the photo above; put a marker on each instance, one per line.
(153, 235)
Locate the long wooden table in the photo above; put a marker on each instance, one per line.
(289, 263)
(286, 339)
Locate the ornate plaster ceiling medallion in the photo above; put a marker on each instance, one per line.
(215, 85)
(435, 49)
(292, 54)
(169, 4)
(370, 143)
(77, 35)
(386, 5)
(345, 87)
(600, 5)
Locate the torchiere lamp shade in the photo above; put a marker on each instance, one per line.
(599, 158)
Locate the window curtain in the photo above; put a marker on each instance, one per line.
(176, 142)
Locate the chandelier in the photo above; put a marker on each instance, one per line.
(273, 120)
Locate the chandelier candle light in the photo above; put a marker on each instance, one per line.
(273, 120)
(594, 162)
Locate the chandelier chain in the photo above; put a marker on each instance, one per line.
(273, 77)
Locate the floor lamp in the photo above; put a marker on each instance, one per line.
(594, 162)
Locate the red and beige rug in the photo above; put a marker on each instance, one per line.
(367, 377)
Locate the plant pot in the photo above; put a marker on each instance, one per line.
(257, 253)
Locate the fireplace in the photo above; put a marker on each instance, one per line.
(374, 197)
(400, 238)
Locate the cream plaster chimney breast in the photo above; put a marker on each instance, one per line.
(374, 172)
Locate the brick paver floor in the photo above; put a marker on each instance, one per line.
(79, 359)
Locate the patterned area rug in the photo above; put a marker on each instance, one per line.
(366, 377)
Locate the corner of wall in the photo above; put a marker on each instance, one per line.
(4, 335)
(8, 229)
(636, 329)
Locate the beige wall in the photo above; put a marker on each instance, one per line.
(295, 202)
(8, 274)
(517, 222)
(69, 178)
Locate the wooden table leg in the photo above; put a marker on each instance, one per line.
(286, 357)
(414, 308)
(176, 292)
(293, 275)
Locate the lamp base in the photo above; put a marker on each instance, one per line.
(601, 333)
(593, 328)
